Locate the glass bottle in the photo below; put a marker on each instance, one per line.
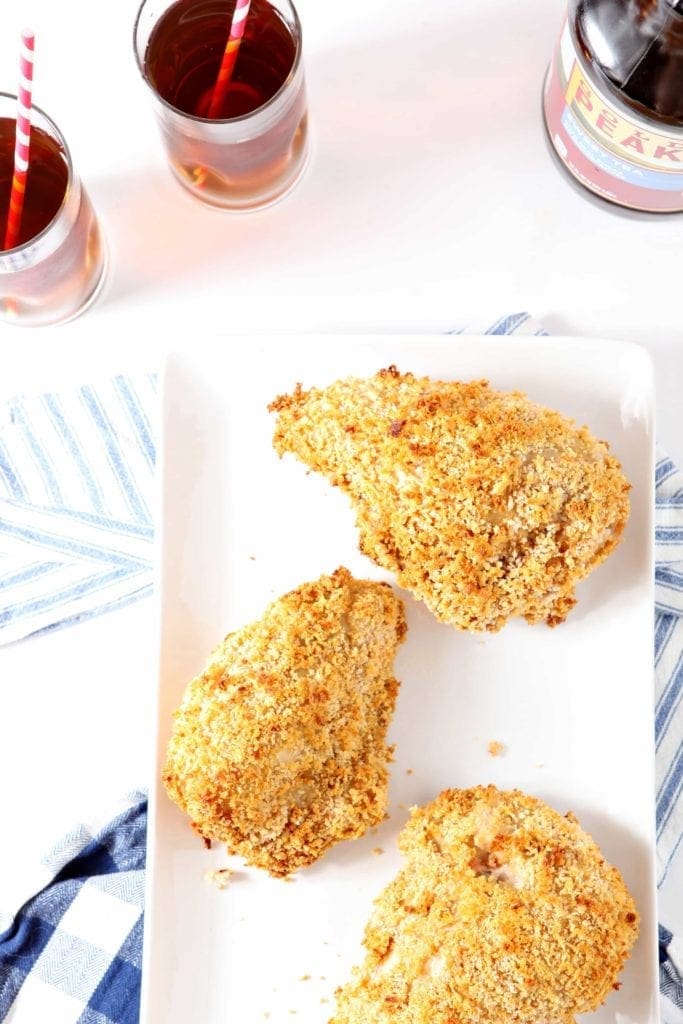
(613, 100)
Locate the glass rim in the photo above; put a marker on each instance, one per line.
(140, 61)
(69, 181)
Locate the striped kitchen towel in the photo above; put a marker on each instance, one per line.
(76, 533)
(669, 662)
(76, 503)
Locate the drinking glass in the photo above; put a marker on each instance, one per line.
(256, 150)
(55, 274)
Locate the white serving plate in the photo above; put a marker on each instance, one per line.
(573, 705)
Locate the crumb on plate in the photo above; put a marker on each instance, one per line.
(219, 876)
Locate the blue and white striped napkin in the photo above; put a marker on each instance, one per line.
(76, 533)
(669, 663)
(76, 503)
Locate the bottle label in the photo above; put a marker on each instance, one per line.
(620, 156)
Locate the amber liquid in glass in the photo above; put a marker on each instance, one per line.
(186, 48)
(182, 60)
(47, 178)
(55, 268)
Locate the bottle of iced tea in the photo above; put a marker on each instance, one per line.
(614, 100)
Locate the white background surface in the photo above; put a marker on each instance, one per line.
(241, 526)
(431, 199)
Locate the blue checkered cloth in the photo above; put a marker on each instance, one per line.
(73, 952)
(76, 532)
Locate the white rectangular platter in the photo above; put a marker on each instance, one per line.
(572, 705)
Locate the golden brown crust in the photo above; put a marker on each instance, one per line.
(279, 747)
(505, 912)
(484, 504)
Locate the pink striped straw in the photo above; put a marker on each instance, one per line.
(239, 21)
(22, 140)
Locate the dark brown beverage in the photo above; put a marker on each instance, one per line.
(255, 149)
(186, 47)
(46, 182)
(638, 51)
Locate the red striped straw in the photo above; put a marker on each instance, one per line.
(239, 21)
(22, 140)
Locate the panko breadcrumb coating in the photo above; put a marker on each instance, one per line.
(484, 504)
(504, 913)
(279, 747)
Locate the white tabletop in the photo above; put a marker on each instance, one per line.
(431, 199)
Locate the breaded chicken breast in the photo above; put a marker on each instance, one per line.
(279, 747)
(504, 913)
(484, 504)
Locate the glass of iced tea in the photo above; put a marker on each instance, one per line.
(58, 264)
(255, 149)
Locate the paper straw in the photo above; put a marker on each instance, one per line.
(22, 140)
(239, 21)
